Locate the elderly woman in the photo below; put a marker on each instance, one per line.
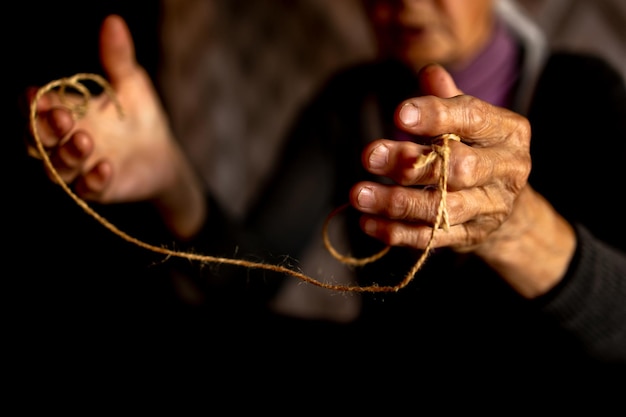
(531, 270)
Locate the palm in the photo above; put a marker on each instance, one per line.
(138, 146)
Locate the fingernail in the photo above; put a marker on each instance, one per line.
(366, 197)
(409, 114)
(379, 157)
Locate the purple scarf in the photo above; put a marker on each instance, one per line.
(492, 75)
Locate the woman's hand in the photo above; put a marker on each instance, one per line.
(493, 211)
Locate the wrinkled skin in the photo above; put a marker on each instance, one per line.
(481, 193)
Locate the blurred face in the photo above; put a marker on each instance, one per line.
(419, 32)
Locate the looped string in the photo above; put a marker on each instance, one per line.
(79, 110)
(441, 221)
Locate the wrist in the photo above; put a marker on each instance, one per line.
(182, 205)
(533, 248)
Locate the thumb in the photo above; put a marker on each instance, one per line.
(436, 81)
(117, 50)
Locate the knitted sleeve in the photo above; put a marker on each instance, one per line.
(590, 302)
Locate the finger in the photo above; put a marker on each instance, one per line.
(395, 233)
(399, 216)
(69, 159)
(49, 100)
(53, 126)
(396, 160)
(117, 50)
(54, 119)
(460, 237)
(43, 104)
(93, 184)
(395, 202)
(423, 205)
(46, 102)
(435, 80)
(467, 166)
(477, 122)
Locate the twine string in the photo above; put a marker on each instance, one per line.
(79, 109)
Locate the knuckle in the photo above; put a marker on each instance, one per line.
(476, 114)
(523, 128)
(441, 115)
(416, 175)
(399, 204)
(463, 170)
(401, 235)
(455, 203)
